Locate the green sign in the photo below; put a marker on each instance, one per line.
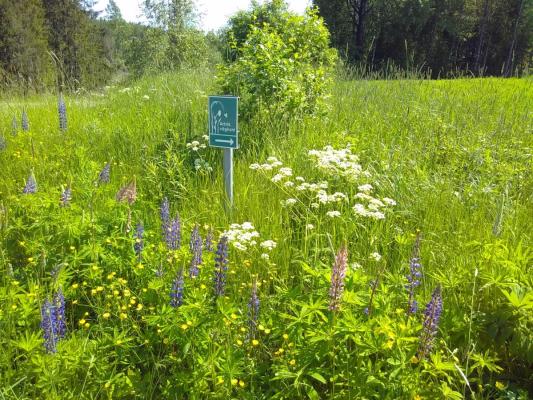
(223, 122)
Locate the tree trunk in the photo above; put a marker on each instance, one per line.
(508, 69)
(359, 11)
(361, 19)
(481, 39)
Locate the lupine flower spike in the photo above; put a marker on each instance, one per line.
(138, 237)
(338, 273)
(59, 303)
(176, 292)
(208, 245)
(128, 193)
(62, 111)
(14, 126)
(413, 278)
(31, 185)
(3, 143)
(53, 321)
(195, 246)
(25, 121)
(66, 196)
(165, 218)
(173, 236)
(430, 323)
(104, 175)
(253, 312)
(49, 326)
(221, 266)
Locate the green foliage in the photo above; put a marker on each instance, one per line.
(281, 68)
(441, 37)
(455, 164)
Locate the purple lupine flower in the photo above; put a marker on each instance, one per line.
(49, 326)
(338, 274)
(31, 185)
(208, 244)
(105, 174)
(173, 234)
(138, 237)
(253, 312)
(59, 303)
(62, 110)
(25, 121)
(14, 126)
(66, 196)
(195, 246)
(221, 266)
(176, 292)
(165, 217)
(430, 323)
(413, 278)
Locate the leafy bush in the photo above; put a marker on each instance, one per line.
(283, 66)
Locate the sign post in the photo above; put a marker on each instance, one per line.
(224, 133)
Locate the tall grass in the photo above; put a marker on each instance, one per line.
(447, 151)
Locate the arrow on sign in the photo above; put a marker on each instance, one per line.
(230, 141)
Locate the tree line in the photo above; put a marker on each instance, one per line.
(66, 44)
(483, 37)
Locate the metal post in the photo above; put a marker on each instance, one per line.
(228, 175)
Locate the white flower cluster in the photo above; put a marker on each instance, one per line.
(338, 163)
(272, 162)
(201, 165)
(241, 236)
(244, 236)
(374, 207)
(268, 245)
(195, 145)
(324, 198)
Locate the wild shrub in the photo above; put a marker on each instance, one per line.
(282, 68)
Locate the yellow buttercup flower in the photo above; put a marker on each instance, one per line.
(255, 342)
(106, 315)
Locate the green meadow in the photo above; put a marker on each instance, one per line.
(446, 161)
